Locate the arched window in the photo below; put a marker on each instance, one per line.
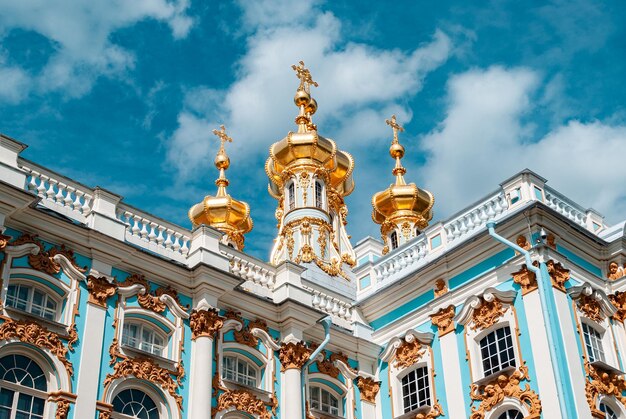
(133, 403)
(318, 194)
(593, 343)
(23, 388)
(292, 196)
(323, 400)
(394, 240)
(497, 351)
(416, 389)
(239, 370)
(511, 414)
(32, 300)
(608, 412)
(143, 337)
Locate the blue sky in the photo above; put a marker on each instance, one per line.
(124, 95)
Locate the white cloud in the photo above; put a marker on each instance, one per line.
(80, 30)
(359, 84)
(484, 140)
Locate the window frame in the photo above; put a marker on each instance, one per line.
(48, 295)
(319, 194)
(119, 415)
(394, 240)
(18, 389)
(429, 377)
(587, 325)
(291, 196)
(494, 331)
(250, 366)
(153, 329)
(324, 387)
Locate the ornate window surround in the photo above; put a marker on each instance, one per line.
(174, 331)
(265, 371)
(509, 404)
(67, 300)
(57, 379)
(616, 406)
(415, 352)
(592, 307)
(327, 383)
(167, 408)
(478, 322)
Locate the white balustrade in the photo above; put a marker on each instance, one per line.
(566, 207)
(476, 218)
(58, 193)
(252, 270)
(331, 305)
(154, 234)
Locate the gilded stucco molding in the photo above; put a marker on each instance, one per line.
(245, 336)
(615, 272)
(63, 409)
(158, 299)
(441, 288)
(205, 323)
(482, 311)
(145, 369)
(444, 320)
(505, 386)
(558, 274)
(33, 334)
(526, 279)
(368, 388)
(619, 302)
(44, 260)
(100, 289)
(523, 242)
(243, 401)
(435, 411)
(327, 366)
(592, 302)
(404, 351)
(603, 383)
(293, 355)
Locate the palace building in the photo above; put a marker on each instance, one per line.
(512, 308)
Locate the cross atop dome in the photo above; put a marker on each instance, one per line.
(395, 127)
(221, 134)
(304, 75)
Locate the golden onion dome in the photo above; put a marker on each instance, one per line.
(307, 147)
(222, 211)
(401, 201)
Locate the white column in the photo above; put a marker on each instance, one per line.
(541, 354)
(291, 406)
(90, 361)
(201, 376)
(369, 390)
(204, 324)
(577, 376)
(620, 338)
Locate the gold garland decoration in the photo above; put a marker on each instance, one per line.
(243, 401)
(526, 279)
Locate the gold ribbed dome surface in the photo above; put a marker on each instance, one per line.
(402, 201)
(222, 211)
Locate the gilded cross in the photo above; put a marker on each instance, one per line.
(223, 137)
(304, 75)
(395, 127)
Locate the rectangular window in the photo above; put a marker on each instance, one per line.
(416, 389)
(593, 343)
(496, 350)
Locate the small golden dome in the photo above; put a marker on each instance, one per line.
(222, 211)
(311, 108)
(302, 98)
(401, 202)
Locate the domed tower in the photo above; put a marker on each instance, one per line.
(310, 178)
(222, 211)
(401, 210)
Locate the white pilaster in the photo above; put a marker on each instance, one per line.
(541, 354)
(576, 374)
(90, 361)
(452, 375)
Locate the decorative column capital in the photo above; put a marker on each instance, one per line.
(444, 320)
(100, 289)
(526, 279)
(205, 323)
(368, 387)
(293, 355)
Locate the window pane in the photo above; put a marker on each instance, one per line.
(6, 397)
(497, 350)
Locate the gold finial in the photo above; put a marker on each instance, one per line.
(222, 162)
(304, 75)
(396, 150)
(395, 127)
